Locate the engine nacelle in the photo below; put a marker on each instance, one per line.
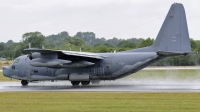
(34, 55)
(41, 62)
(78, 64)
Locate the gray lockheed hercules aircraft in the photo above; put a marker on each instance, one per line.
(172, 40)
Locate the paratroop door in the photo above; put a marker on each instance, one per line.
(27, 73)
(100, 71)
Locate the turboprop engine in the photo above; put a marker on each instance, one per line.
(58, 63)
(52, 61)
(40, 62)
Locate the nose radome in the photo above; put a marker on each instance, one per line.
(6, 71)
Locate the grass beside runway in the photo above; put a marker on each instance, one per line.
(3, 78)
(98, 102)
(5, 63)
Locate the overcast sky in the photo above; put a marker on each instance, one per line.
(106, 18)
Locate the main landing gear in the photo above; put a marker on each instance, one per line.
(85, 82)
(75, 83)
(24, 82)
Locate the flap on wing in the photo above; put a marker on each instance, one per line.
(167, 53)
(83, 54)
(45, 51)
(71, 53)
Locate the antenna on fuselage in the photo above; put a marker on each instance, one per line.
(29, 44)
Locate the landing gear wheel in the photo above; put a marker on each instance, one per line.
(75, 83)
(24, 82)
(85, 82)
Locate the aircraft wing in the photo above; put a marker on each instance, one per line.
(167, 53)
(67, 53)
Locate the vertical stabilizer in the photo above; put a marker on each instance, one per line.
(173, 35)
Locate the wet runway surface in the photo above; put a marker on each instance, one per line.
(107, 86)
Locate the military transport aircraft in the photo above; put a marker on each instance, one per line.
(82, 67)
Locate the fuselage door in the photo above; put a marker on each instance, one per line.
(27, 73)
(15, 67)
(100, 71)
(107, 69)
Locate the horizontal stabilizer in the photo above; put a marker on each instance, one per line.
(167, 53)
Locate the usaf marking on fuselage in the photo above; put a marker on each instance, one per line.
(172, 40)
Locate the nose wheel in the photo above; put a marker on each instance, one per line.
(24, 82)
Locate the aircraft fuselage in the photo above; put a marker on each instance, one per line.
(115, 65)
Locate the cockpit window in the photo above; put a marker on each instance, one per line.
(16, 60)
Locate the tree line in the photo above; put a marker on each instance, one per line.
(88, 42)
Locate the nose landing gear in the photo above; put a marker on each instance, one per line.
(24, 82)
